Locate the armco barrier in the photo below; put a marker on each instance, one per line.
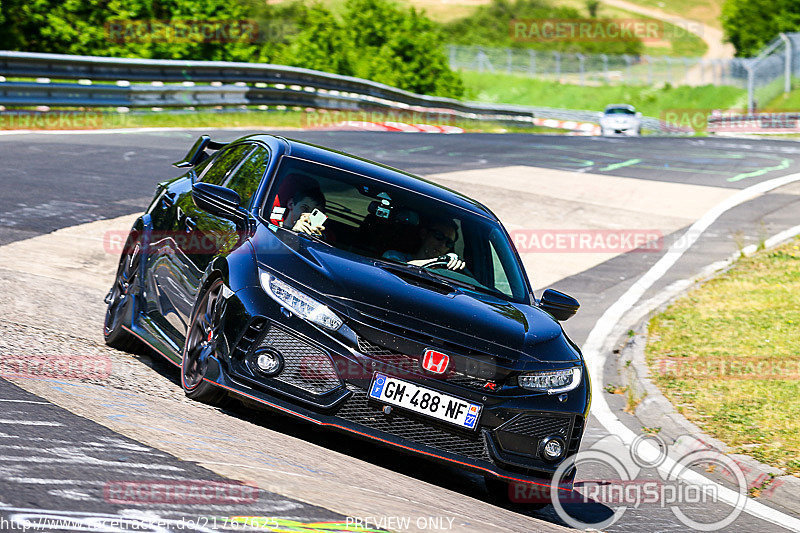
(155, 83)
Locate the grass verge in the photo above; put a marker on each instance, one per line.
(515, 89)
(727, 356)
(71, 119)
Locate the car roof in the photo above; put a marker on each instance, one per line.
(385, 173)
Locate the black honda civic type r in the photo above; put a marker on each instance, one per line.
(354, 296)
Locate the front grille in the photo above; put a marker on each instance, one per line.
(537, 426)
(575, 438)
(358, 410)
(402, 361)
(249, 336)
(410, 364)
(466, 381)
(523, 433)
(304, 365)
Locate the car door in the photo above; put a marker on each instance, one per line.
(159, 264)
(240, 168)
(190, 249)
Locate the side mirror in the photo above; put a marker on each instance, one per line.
(560, 305)
(215, 199)
(600, 115)
(638, 114)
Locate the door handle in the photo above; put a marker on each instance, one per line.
(168, 200)
(190, 224)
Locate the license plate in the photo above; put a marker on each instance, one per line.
(425, 401)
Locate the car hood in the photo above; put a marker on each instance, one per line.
(381, 295)
(621, 120)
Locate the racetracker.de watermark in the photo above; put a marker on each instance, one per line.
(587, 240)
(57, 120)
(322, 118)
(69, 367)
(599, 30)
(187, 492)
(753, 367)
(731, 120)
(193, 31)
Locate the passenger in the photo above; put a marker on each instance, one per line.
(438, 237)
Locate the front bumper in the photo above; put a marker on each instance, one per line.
(325, 382)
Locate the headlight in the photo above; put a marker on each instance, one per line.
(551, 381)
(299, 303)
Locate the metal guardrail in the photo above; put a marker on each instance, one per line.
(229, 83)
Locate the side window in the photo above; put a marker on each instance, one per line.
(224, 162)
(500, 278)
(247, 176)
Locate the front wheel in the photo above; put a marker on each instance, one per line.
(201, 346)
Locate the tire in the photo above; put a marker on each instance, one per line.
(200, 346)
(121, 297)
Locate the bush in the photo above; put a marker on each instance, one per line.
(375, 39)
(490, 25)
(378, 41)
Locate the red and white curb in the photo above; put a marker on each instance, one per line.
(579, 128)
(360, 125)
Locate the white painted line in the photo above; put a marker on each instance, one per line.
(26, 401)
(41, 481)
(601, 335)
(86, 461)
(30, 423)
(782, 236)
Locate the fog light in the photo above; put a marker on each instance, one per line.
(268, 362)
(552, 448)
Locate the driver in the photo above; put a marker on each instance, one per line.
(438, 237)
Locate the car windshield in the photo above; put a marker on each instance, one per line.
(620, 111)
(396, 225)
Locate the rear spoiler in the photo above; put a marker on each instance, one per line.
(198, 154)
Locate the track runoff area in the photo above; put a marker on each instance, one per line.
(575, 208)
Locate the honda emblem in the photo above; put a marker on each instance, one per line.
(435, 362)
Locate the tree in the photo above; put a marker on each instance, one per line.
(751, 24)
(376, 40)
(402, 48)
(592, 7)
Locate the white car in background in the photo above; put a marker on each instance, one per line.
(620, 120)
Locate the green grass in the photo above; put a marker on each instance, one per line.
(785, 102)
(256, 119)
(706, 11)
(515, 89)
(677, 43)
(727, 356)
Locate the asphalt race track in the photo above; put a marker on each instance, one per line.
(64, 443)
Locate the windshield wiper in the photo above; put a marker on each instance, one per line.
(465, 284)
(432, 275)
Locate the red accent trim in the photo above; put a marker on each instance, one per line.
(129, 330)
(320, 423)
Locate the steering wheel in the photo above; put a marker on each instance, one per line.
(442, 261)
(439, 262)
